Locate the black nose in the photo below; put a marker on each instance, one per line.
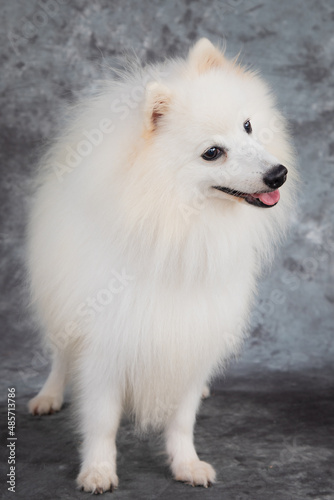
(276, 176)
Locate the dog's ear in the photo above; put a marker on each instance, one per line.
(205, 56)
(157, 103)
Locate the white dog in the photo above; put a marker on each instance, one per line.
(155, 209)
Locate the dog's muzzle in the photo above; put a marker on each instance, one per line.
(274, 179)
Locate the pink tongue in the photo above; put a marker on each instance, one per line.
(268, 198)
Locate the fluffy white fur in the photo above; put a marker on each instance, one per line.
(142, 274)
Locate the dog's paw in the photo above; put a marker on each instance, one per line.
(205, 392)
(43, 404)
(98, 477)
(195, 473)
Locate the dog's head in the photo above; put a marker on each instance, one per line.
(214, 125)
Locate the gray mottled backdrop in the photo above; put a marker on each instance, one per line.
(267, 428)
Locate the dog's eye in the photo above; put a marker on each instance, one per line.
(248, 127)
(212, 153)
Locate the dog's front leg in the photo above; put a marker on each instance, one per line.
(50, 397)
(100, 412)
(184, 462)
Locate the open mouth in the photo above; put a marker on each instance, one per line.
(265, 200)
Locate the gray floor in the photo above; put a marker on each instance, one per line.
(268, 427)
